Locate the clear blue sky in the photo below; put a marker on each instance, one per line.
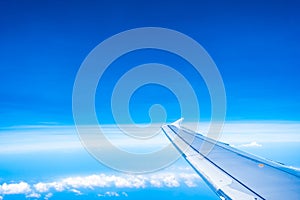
(255, 45)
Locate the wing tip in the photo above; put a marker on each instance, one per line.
(177, 123)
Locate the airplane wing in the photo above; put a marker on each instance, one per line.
(231, 173)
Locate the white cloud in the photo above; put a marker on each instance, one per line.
(164, 179)
(113, 194)
(33, 195)
(251, 144)
(57, 138)
(15, 188)
(58, 186)
(125, 194)
(45, 187)
(190, 179)
(123, 181)
(156, 183)
(48, 196)
(245, 131)
(103, 180)
(76, 184)
(76, 191)
(1, 198)
(41, 187)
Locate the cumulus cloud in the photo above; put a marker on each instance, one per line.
(96, 181)
(41, 187)
(166, 179)
(15, 188)
(123, 181)
(190, 179)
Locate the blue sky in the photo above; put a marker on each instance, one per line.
(255, 45)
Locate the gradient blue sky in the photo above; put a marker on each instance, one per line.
(255, 45)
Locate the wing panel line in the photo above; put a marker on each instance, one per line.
(262, 160)
(216, 165)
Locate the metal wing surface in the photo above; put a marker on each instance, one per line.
(231, 173)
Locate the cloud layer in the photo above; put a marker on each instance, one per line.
(82, 183)
(58, 138)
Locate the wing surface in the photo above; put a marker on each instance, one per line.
(231, 173)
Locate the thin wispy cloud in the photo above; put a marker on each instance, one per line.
(240, 132)
(76, 191)
(251, 144)
(55, 138)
